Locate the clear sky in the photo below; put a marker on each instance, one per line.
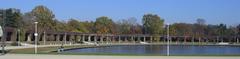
(213, 11)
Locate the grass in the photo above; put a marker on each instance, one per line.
(44, 50)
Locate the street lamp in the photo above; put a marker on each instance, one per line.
(18, 31)
(168, 52)
(35, 34)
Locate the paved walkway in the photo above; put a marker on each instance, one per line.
(43, 56)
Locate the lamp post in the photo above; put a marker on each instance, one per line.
(168, 52)
(18, 31)
(35, 34)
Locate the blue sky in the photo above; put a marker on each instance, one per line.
(213, 11)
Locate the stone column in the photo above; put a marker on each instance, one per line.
(101, 39)
(44, 38)
(193, 40)
(83, 38)
(89, 38)
(158, 39)
(71, 39)
(170, 39)
(144, 39)
(237, 40)
(65, 38)
(113, 39)
(151, 39)
(13, 37)
(185, 39)
(79, 38)
(58, 38)
(199, 40)
(132, 39)
(29, 37)
(125, 39)
(95, 38)
(107, 39)
(119, 39)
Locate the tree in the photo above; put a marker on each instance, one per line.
(238, 27)
(104, 25)
(200, 28)
(200, 21)
(77, 26)
(182, 29)
(73, 25)
(152, 24)
(13, 18)
(128, 26)
(45, 17)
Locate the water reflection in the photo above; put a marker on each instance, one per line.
(161, 49)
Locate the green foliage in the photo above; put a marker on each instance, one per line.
(153, 24)
(104, 25)
(77, 26)
(238, 29)
(45, 17)
(13, 18)
(129, 26)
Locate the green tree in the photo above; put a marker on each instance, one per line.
(13, 18)
(182, 29)
(238, 29)
(104, 25)
(73, 25)
(128, 26)
(153, 24)
(45, 17)
(200, 28)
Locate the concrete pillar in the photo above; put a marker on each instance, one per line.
(29, 37)
(78, 38)
(83, 38)
(138, 39)
(151, 39)
(185, 39)
(71, 39)
(170, 38)
(44, 38)
(192, 40)
(199, 40)
(13, 37)
(159, 39)
(89, 38)
(132, 39)
(58, 37)
(237, 40)
(95, 38)
(107, 39)
(207, 40)
(119, 39)
(125, 40)
(101, 39)
(113, 39)
(65, 38)
(144, 39)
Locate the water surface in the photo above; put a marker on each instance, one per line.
(162, 50)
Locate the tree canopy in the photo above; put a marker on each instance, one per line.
(153, 24)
